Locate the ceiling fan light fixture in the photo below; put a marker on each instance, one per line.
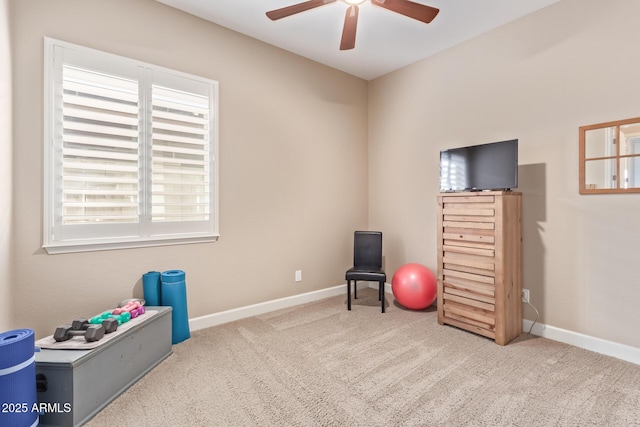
(408, 8)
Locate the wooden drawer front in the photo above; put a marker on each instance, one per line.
(469, 222)
(469, 301)
(467, 199)
(481, 298)
(461, 322)
(466, 248)
(469, 317)
(488, 307)
(453, 279)
(481, 263)
(468, 272)
(461, 210)
(481, 206)
(464, 310)
(480, 294)
(471, 236)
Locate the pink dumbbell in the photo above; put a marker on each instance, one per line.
(137, 312)
(128, 307)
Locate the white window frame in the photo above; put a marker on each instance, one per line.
(58, 238)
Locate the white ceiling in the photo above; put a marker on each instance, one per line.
(385, 40)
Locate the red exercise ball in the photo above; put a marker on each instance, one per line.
(414, 286)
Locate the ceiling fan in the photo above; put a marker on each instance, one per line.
(407, 8)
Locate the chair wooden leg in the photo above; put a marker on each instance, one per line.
(381, 293)
(355, 289)
(348, 294)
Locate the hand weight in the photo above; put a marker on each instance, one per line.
(110, 324)
(130, 306)
(91, 333)
(120, 318)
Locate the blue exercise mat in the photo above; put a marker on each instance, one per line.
(18, 379)
(174, 294)
(151, 288)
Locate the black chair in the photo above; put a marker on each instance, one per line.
(367, 264)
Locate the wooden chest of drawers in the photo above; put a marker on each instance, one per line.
(480, 263)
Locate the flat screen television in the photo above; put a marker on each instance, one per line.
(492, 166)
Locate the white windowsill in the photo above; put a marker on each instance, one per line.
(71, 247)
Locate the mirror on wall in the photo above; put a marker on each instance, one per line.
(610, 157)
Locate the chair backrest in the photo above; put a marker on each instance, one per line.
(367, 249)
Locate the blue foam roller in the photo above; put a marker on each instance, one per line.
(151, 288)
(17, 379)
(174, 294)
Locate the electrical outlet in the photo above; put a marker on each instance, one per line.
(298, 275)
(525, 295)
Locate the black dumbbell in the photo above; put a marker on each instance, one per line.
(110, 325)
(91, 333)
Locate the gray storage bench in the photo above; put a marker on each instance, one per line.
(79, 383)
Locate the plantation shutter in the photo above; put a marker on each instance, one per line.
(181, 149)
(100, 154)
(129, 155)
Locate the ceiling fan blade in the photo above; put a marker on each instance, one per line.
(408, 8)
(349, 30)
(296, 8)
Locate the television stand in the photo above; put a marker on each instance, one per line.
(480, 263)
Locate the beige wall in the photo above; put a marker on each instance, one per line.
(5, 170)
(537, 79)
(293, 165)
(300, 144)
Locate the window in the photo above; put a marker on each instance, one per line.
(130, 153)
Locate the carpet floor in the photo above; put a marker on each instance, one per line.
(318, 364)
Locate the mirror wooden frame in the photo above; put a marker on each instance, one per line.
(617, 157)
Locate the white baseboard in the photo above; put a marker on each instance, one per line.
(264, 307)
(598, 345)
(214, 319)
(587, 342)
